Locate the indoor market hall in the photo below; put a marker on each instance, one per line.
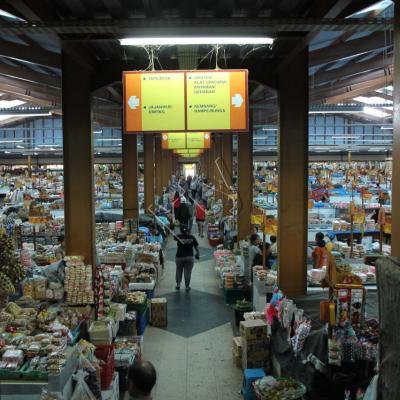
(198, 199)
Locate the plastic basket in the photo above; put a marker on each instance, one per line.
(33, 375)
(141, 322)
(106, 354)
(6, 374)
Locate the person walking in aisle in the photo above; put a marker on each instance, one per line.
(200, 217)
(184, 257)
(184, 213)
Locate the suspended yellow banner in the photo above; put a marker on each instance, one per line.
(186, 140)
(179, 101)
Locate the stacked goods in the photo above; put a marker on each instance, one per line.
(255, 344)
(229, 280)
(11, 269)
(78, 281)
(237, 351)
(159, 313)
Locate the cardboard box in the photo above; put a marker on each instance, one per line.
(237, 346)
(255, 346)
(253, 330)
(159, 312)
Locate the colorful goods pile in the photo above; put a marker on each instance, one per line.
(78, 281)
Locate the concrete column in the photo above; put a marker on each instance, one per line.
(227, 165)
(78, 159)
(148, 155)
(158, 156)
(293, 172)
(166, 169)
(245, 183)
(395, 240)
(130, 176)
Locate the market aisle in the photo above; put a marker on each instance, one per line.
(193, 355)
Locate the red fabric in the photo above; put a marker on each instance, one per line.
(177, 202)
(200, 212)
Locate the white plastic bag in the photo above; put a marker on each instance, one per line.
(372, 390)
(81, 391)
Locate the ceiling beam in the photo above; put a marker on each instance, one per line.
(26, 53)
(330, 97)
(27, 74)
(351, 69)
(375, 41)
(325, 9)
(31, 87)
(115, 8)
(384, 72)
(115, 93)
(30, 97)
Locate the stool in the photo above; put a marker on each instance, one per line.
(249, 376)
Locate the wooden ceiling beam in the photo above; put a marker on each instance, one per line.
(32, 98)
(333, 97)
(26, 53)
(321, 9)
(351, 69)
(115, 8)
(351, 82)
(26, 74)
(30, 87)
(375, 41)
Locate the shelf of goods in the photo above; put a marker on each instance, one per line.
(352, 345)
(230, 269)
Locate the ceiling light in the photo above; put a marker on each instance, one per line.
(156, 41)
(374, 112)
(269, 129)
(107, 139)
(7, 152)
(372, 100)
(98, 131)
(387, 128)
(20, 147)
(345, 137)
(11, 141)
(335, 112)
(35, 154)
(48, 145)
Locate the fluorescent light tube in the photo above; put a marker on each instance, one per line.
(156, 41)
(107, 139)
(335, 112)
(374, 112)
(11, 141)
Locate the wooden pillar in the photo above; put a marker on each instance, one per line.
(29, 160)
(218, 170)
(395, 240)
(148, 158)
(293, 171)
(166, 167)
(130, 176)
(212, 158)
(227, 161)
(78, 159)
(245, 183)
(158, 157)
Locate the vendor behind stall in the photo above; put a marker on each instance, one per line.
(60, 250)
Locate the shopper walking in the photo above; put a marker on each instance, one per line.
(200, 217)
(176, 202)
(184, 257)
(184, 214)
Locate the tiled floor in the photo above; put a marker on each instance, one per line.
(196, 363)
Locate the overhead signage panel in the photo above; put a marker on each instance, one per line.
(185, 101)
(183, 140)
(153, 101)
(217, 100)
